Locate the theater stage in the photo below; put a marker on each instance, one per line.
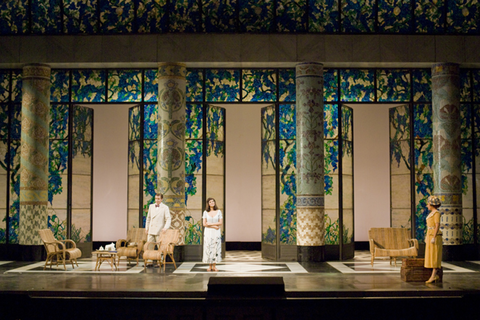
(336, 289)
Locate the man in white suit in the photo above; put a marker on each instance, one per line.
(158, 219)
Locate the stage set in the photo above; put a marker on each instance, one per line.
(105, 103)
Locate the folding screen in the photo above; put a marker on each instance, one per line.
(204, 167)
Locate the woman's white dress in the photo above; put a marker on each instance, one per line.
(212, 241)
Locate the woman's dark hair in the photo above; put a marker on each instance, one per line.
(207, 207)
(437, 206)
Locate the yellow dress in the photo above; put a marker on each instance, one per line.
(433, 251)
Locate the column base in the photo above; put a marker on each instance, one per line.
(310, 253)
(453, 253)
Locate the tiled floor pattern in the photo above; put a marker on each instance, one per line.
(240, 262)
(362, 264)
(243, 267)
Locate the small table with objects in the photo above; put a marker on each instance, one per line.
(103, 255)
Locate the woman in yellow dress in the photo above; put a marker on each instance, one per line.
(433, 240)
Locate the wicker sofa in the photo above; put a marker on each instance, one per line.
(392, 242)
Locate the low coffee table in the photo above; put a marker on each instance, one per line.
(109, 256)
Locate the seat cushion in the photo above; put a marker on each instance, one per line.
(73, 253)
(127, 252)
(152, 255)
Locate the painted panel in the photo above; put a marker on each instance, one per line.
(291, 15)
(268, 123)
(400, 167)
(81, 231)
(150, 86)
(216, 189)
(393, 85)
(88, 85)
(193, 227)
(219, 16)
(476, 85)
(14, 189)
(256, 16)
(132, 220)
(194, 121)
(60, 84)
(194, 90)
(215, 123)
(423, 157)
(14, 17)
(124, 85)
(184, 16)
(259, 85)
(332, 227)
(149, 172)
(269, 228)
(330, 85)
(395, 16)
(16, 86)
(357, 85)
(150, 122)
(358, 16)
(222, 85)
(465, 85)
(347, 123)
(134, 123)
(288, 123)
(80, 16)
(152, 16)
(463, 16)
(330, 121)
(116, 16)
(46, 16)
(193, 169)
(429, 16)
(286, 85)
(422, 83)
(3, 184)
(215, 158)
(323, 16)
(288, 209)
(4, 85)
(134, 156)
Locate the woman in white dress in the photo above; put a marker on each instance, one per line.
(212, 241)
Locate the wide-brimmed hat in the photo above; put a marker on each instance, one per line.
(434, 201)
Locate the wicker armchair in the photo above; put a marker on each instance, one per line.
(159, 251)
(57, 250)
(168, 240)
(132, 247)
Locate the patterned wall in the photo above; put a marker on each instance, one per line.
(402, 86)
(251, 16)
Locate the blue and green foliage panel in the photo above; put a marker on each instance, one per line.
(400, 155)
(52, 17)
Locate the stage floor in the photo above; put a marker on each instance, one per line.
(350, 278)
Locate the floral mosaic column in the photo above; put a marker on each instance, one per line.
(171, 141)
(447, 175)
(310, 163)
(34, 153)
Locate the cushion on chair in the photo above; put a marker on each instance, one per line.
(73, 253)
(127, 252)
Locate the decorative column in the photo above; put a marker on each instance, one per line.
(34, 159)
(171, 141)
(447, 175)
(310, 163)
